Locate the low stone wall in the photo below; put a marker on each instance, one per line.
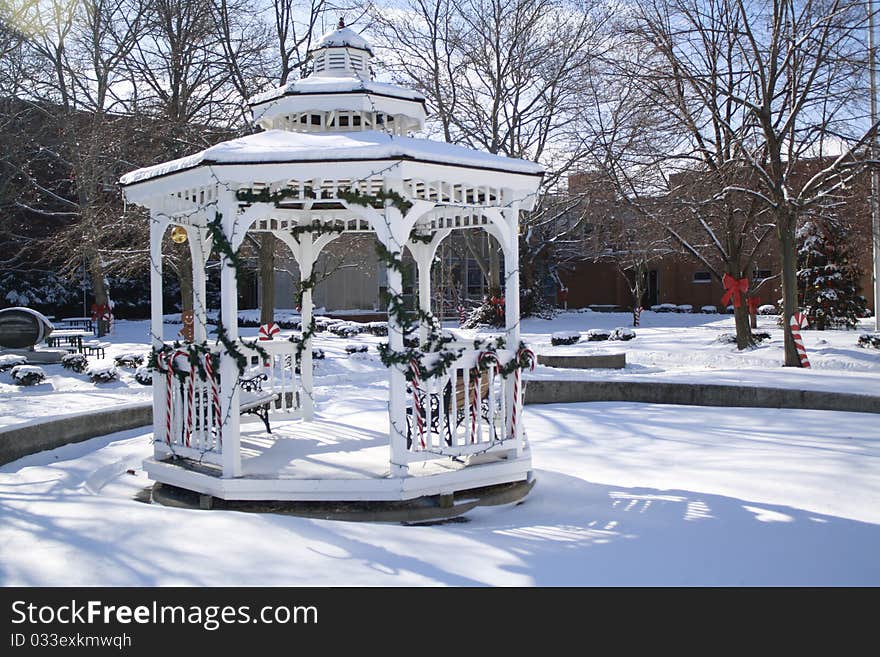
(696, 394)
(18, 441)
(584, 362)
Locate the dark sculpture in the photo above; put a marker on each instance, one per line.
(22, 328)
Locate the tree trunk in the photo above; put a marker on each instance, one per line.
(99, 288)
(267, 278)
(744, 337)
(494, 264)
(185, 278)
(788, 246)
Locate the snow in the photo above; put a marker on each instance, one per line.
(626, 494)
(8, 361)
(283, 146)
(340, 37)
(708, 309)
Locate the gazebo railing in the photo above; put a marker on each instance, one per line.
(466, 411)
(282, 377)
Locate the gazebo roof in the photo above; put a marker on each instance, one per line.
(324, 85)
(281, 146)
(341, 38)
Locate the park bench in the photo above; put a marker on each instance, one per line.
(254, 400)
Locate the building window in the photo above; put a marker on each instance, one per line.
(702, 277)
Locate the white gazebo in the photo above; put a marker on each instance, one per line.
(333, 158)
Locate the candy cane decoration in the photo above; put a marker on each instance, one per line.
(190, 402)
(530, 355)
(798, 321)
(169, 385)
(215, 397)
(269, 331)
(417, 402)
(637, 314)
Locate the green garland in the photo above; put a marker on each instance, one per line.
(376, 200)
(218, 237)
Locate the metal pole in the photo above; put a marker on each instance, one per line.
(875, 183)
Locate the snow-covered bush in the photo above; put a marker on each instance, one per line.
(709, 310)
(143, 375)
(664, 308)
(75, 362)
(730, 310)
(622, 333)
(730, 338)
(565, 337)
(767, 309)
(378, 329)
(27, 375)
(684, 308)
(318, 354)
(8, 361)
(597, 335)
(346, 329)
(356, 349)
(869, 340)
(102, 371)
(129, 360)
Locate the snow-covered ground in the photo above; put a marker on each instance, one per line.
(667, 347)
(627, 494)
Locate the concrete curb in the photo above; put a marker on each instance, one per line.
(615, 361)
(696, 394)
(17, 441)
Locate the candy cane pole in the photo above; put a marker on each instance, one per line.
(417, 403)
(190, 402)
(517, 402)
(215, 397)
(169, 384)
(798, 321)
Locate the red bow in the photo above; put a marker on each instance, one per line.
(735, 287)
(753, 305)
(101, 313)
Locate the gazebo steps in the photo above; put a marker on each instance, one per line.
(426, 509)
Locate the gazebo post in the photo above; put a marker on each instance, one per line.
(397, 384)
(511, 293)
(199, 258)
(229, 388)
(306, 266)
(423, 254)
(157, 231)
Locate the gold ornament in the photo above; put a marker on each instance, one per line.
(178, 234)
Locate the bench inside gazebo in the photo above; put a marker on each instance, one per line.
(333, 158)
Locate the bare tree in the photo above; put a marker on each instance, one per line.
(768, 95)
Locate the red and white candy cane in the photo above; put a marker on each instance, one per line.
(517, 402)
(798, 321)
(269, 331)
(417, 402)
(637, 314)
(215, 397)
(169, 387)
(190, 402)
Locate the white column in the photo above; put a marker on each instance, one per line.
(423, 254)
(397, 386)
(229, 389)
(511, 302)
(157, 230)
(306, 266)
(198, 257)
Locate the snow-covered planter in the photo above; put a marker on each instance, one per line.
(622, 333)
(709, 310)
(102, 371)
(8, 361)
(27, 375)
(767, 309)
(684, 308)
(143, 375)
(129, 360)
(356, 349)
(565, 337)
(598, 335)
(75, 362)
(869, 340)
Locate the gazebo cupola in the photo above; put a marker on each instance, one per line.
(340, 95)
